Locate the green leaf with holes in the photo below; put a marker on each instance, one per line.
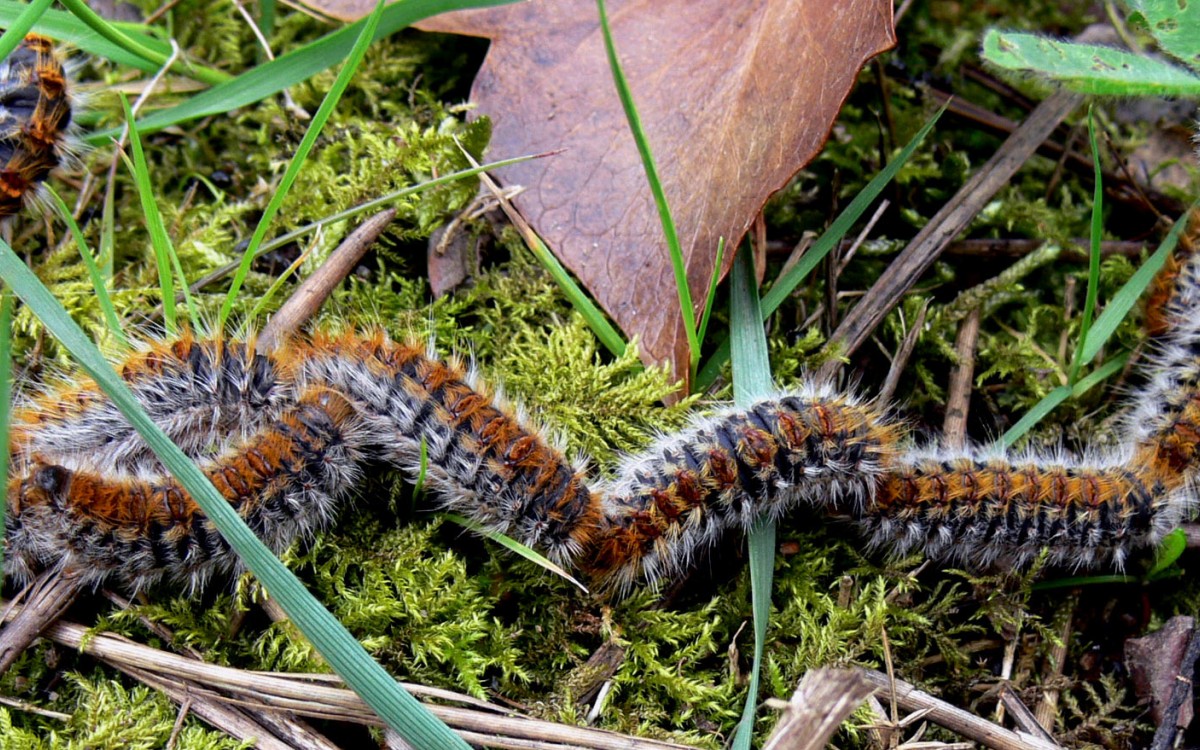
(1174, 24)
(1088, 68)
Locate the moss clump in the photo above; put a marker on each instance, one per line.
(110, 716)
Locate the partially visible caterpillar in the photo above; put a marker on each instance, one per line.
(35, 120)
(86, 493)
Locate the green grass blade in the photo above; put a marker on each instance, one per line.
(99, 284)
(513, 545)
(1169, 550)
(6, 306)
(712, 290)
(1093, 288)
(266, 17)
(1129, 294)
(295, 66)
(396, 707)
(786, 284)
(1102, 330)
(1088, 68)
(365, 36)
(276, 285)
(133, 46)
(159, 240)
(595, 317)
(16, 31)
(752, 381)
(1055, 397)
(660, 198)
(63, 26)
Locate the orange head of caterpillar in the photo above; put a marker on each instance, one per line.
(35, 117)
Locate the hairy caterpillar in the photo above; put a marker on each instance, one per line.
(283, 436)
(35, 120)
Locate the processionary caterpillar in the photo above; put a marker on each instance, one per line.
(284, 435)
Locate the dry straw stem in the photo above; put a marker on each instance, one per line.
(929, 243)
(316, 696)
(1025, 719)
(909, 698)
(822, 701)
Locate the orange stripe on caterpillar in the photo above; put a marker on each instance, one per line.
(284, 482)
(35, 120)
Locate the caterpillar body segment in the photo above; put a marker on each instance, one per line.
(814, 447)
(35, 120)
(286, 481)
(205, 394)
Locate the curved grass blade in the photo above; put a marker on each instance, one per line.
(133, 46)
(159, 240)
(63, 26)
(1097, 231)
(1060, 394)
(660, 198)
(1102, 331)
(89, 262)
(16, 31)
(396, 707)
(513, 545)
(1129, 294)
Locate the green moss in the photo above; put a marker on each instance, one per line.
(107, 715)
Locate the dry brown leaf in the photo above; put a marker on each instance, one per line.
(735, 98)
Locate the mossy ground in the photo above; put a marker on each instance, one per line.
(442, 608)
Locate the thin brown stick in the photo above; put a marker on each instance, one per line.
(955, 719)
(229, 719)
(822, 701)
(952, 219)
(900, 360)
(1075, 250)
(314, 290)
(958, 399)
(43, 602)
